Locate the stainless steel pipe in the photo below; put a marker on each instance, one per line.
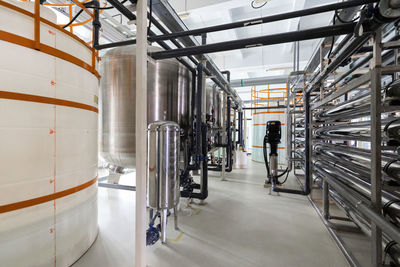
(360, 131)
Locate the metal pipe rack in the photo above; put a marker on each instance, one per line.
(336, 107)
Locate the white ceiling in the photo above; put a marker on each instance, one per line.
(260, 61)
(245, 63)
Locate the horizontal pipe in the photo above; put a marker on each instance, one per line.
(362, 206)
(259, 41)
(360, 159)
(348, 177)
(259, 81)
(363, 223)
(361, 131)
(359, 105)
(267, 19)
(276, 107)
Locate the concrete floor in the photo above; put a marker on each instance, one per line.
(240, 225)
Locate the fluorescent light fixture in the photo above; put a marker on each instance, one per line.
(184, 15)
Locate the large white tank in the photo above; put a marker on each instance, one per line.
(48, 145)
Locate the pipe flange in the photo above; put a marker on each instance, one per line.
(389, 8)
(387, 206)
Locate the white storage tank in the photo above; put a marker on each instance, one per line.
(48, 142)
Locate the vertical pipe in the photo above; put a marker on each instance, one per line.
(325, 199)
(198, 109)
(240, 118)
(376, 179)
(141, 127)
(224, 140)
(203, 132)
(164, 217)
(245, 130)
(294, 55)
(229, 135)
(288, 128)
(234, 130)
(308, 144)
(96, 23)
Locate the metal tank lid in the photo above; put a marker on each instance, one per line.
(130, 50)
(163, 125)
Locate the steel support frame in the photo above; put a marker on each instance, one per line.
(280, 38)
(141, 134)
(268, 19)
(376, 174)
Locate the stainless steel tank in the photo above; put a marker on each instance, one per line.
(163, 158)
(215, 105)
(163, 173)
(169, 88)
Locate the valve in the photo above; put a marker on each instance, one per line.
(152, 235)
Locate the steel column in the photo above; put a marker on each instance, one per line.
(376, 174)
(141, 136)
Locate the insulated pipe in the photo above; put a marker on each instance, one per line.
(363, 207)
(240, 118)
(199, 104)
(268, 19)
(228, 75)
(258, 41)
(96, 23)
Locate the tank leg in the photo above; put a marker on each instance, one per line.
(176, 218)
(223, 164)
(164, 217)
(113, 178)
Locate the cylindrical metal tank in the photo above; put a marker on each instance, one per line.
(169, 88)
(48, 140)
(215, 106)
(163, 157)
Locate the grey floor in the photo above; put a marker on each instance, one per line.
(239, 225)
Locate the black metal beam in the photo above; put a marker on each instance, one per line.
(259, 41)
(268, 19)
(116, 44)
(271, 107)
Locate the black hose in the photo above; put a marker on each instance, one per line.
(287, 175)
(88, 6)
(73, 19)
(257, 7)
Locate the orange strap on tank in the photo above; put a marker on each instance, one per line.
(46, 198)
(45, 100)
(35, 44)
